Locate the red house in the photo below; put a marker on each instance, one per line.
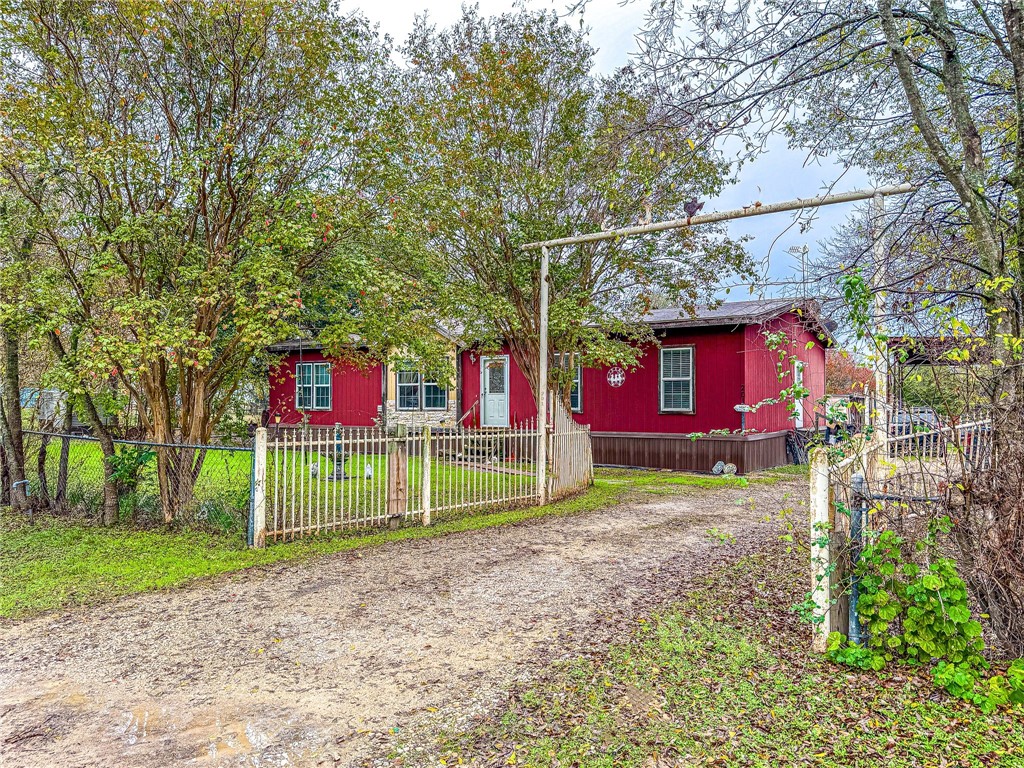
(690, 383)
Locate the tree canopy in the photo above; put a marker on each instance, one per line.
(931, 92)
(510, 138)
(190, 173)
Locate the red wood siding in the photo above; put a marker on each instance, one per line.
(356, 393)
(635, 406)
(521, 405)
(731, 366)
(763, 376)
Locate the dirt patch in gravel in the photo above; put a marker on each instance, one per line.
(337, 660)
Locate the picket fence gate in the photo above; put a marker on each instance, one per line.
(317, 479)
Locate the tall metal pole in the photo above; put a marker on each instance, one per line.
(542, 386)
(757, 209)
(881, 417)
(803, 272)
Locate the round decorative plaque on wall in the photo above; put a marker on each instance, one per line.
(616, 376)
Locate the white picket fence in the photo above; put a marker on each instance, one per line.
(913, 468)
(570, 454)
(320, 479)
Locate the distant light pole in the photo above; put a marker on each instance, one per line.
(801, 251)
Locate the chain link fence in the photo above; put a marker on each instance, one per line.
(207, 486)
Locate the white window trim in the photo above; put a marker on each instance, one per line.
(578, 381)
(398, 391)
(800, 412)
(312, 366)
(421, 393)
(690, 378)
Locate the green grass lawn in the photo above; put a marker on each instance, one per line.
(725, 678)
(52, 563)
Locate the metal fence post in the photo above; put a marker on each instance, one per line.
(821, 550)
(542, 386)
(425, 468)
(258, 525)
(857, 513)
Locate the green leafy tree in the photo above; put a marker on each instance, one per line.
(191, 169)
(507, 138)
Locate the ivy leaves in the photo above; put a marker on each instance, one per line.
(920, 616)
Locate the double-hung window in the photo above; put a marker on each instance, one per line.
(313, 386)
(435, 397)
(576, 387)
(416, 392)
(408, 390)
(576, 390)
(676, 379)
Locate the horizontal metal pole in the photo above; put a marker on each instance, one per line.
(142, 443)
(755, 209)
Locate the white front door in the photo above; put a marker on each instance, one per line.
(798, 383)
(494, 391)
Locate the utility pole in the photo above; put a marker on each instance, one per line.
(542, 387)
(801, 251)
(881, 416)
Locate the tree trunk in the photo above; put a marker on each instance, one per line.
(92, 415)
(5, 476)
(44, 488)
(178, 467)
(11, 423)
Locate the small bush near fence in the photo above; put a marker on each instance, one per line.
(65, 474)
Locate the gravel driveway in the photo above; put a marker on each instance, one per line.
(330, 662)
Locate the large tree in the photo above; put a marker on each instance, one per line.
(509, 137)
(190, 169)
(15, 244)
(922, 90)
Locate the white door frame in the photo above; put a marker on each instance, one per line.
(798, 380)
(483, 390)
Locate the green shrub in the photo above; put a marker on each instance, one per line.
(918, 615)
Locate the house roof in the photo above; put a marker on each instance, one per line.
(310, 345)
(750, 312)
(729, 313)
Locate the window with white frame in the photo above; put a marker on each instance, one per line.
(416, 392)
(408, 390)
(576, 391)
(576, 388)
(435, 397)
(676, 379)
(313, 386)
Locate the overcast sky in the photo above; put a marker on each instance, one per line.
(779, 175)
